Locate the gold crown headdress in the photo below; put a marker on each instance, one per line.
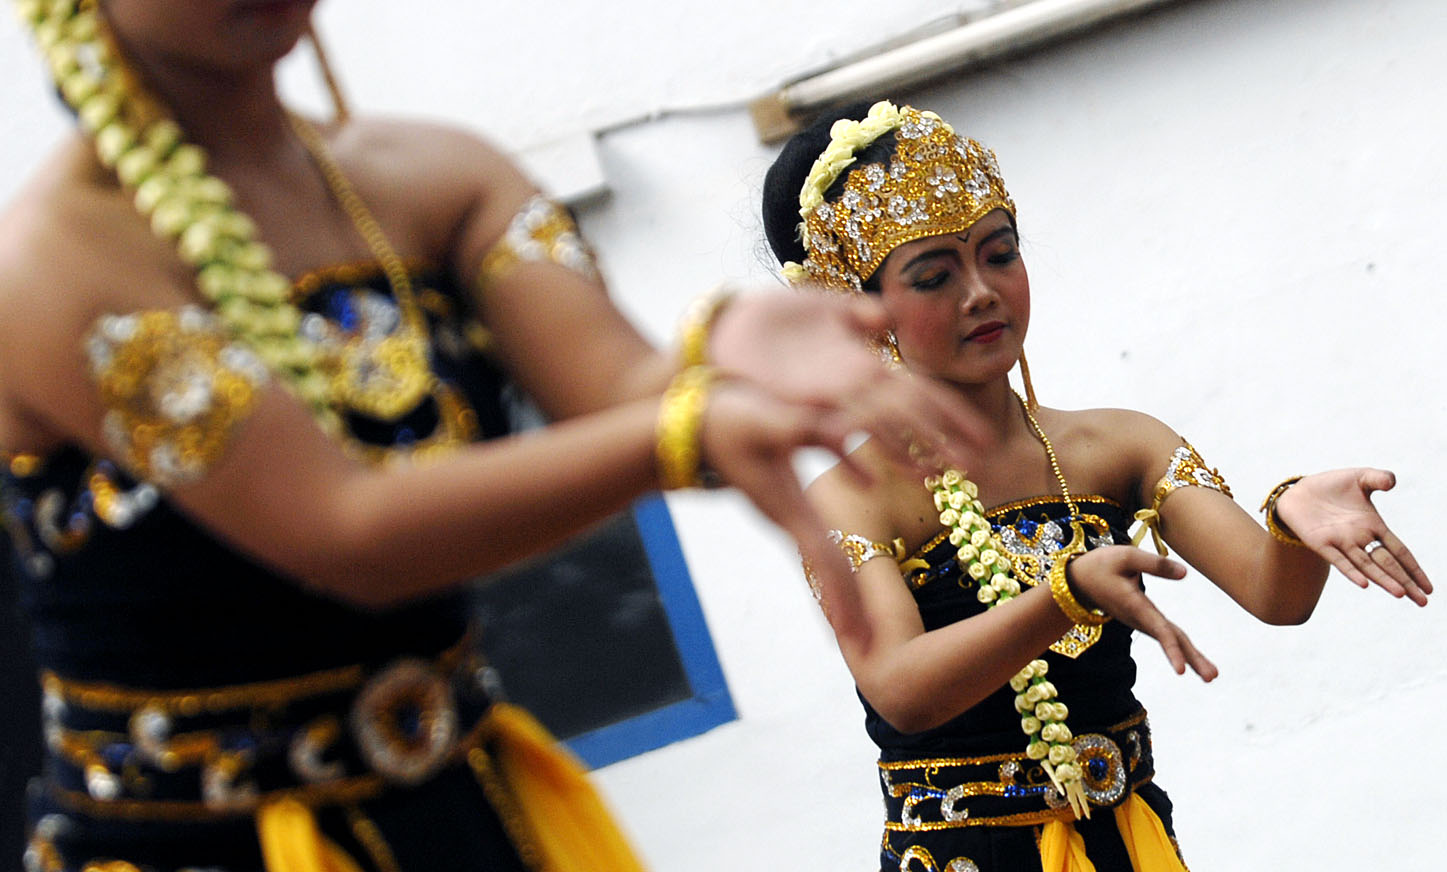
(937, 182)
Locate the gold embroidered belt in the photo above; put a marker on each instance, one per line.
(340, 735)
(1011, 789)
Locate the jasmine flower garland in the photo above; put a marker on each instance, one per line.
(982, 557)
(167, 178)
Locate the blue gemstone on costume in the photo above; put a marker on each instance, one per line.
(409, 719)
(406, 436)
(23, 507)
(1028, 527)
(1098, 767)
(239, 742)
(344, 311)
(116, 753)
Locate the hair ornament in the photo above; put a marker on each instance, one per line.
(936, 182)
(846, 137)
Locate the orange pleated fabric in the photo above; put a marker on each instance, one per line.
(566, 819)
(292, 842)
(1151, 850)
(574, 829)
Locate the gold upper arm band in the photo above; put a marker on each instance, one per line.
(1186, 469)
(542, 231)
(858, 550)
(174, 386)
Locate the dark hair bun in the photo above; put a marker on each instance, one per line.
(787, 174)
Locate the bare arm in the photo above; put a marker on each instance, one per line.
(595, 357)
(1277, 582)
(286, 493)
(918, 679)
(805, 348)
(292, 498)
(289, 495)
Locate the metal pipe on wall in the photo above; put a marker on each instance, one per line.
(969, 46)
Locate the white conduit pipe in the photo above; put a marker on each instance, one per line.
(973, 44)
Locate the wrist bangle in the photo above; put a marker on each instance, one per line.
(1279, 531)
(1065, 598)
(680, 417)
(697, 325)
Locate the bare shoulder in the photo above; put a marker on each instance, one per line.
(1112, 429)
(444, 182)
(1115, 452)
(427, 153)
(72, 247)
(53, 236)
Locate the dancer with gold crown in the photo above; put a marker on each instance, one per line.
(251, 369)
(998, 603)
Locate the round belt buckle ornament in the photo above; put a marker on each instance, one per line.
(405, 722)
(1102, 768)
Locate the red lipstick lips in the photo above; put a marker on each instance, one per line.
(987, 332)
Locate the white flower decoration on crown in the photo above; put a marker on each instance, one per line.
(937, 182)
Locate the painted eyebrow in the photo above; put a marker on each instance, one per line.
(929, 254)
(996, 233)
(946, 251)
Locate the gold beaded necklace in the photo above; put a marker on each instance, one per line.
(135, 137)
(1075, 525)
(388, 377)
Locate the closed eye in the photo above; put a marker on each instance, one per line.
(930, 281)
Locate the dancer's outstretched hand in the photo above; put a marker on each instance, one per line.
(1332, 513)
(1110, 579)
(749, 437)
(821, 351)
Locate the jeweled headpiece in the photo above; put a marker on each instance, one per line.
(937, 182)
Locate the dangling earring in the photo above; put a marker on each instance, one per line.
(889, 350)
(340, 112)
(1030, 402)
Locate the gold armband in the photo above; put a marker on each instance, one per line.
(174, 386)
(541, 232)
(1186, 469)
(1273, 524)
(680, 418)
(860, 549)
(1065, 598)
(697, 326)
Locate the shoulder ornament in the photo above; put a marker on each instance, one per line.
(174, 386)
(542, 231)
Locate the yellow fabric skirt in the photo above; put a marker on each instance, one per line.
(553, 813)
(1150, 848)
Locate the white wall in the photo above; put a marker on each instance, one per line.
(1231, 212)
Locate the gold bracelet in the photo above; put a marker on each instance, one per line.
(1278, 531)
(1065, 598)
(697, 325)
(680, 417)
